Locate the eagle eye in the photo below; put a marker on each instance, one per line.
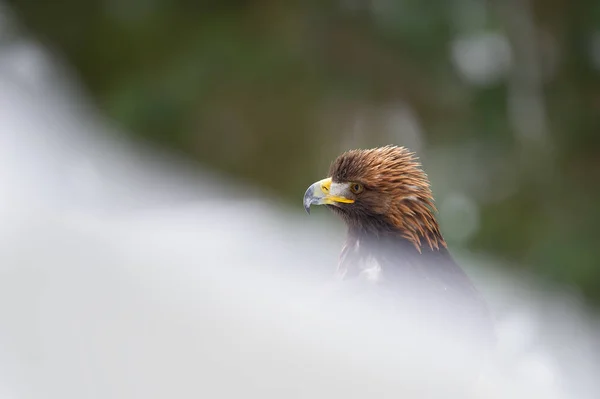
(356, 188)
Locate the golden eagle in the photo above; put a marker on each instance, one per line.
(394, 242)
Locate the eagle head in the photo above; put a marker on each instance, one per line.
(380, 191)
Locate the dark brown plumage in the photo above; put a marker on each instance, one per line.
(394, 240)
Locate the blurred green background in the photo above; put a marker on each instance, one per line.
(501, 100)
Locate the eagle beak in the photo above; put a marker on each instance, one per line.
(324, 192)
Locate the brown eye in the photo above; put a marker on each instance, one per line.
(356, 188)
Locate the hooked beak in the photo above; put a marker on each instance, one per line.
(324, 192)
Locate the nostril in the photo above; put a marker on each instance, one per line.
(325, 188)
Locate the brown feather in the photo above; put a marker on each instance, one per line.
(391, 221)
(397, 192)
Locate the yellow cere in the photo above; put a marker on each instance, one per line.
(330, 199)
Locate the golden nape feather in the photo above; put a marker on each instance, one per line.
(396, 189)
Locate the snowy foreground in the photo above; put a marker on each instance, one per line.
(124, 275)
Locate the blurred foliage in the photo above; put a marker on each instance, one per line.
(500, 98)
